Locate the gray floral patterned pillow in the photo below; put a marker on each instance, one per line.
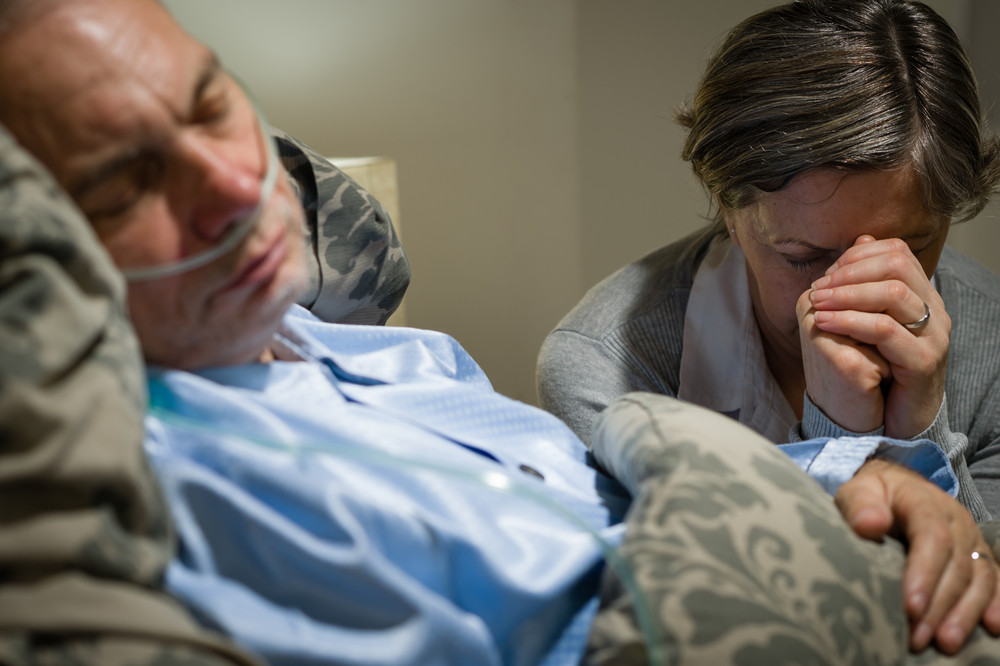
(359, 272)
(84, 530)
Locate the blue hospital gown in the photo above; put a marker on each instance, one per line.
(379, 503)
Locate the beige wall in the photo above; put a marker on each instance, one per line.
(476, 101)
(639, 59)
(534, 139)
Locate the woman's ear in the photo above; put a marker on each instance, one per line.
(728, 219)
(731, 227)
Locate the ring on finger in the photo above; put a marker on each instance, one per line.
(920, 323)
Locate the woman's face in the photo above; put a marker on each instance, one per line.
(790, 237)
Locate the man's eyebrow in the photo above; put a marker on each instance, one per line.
(105, 172)
(210, 70)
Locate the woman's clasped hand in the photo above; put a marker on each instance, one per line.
(866, 365)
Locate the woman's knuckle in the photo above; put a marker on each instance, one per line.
(897, 262)
(897, 291)
(897, 245)
(884, 326)
(848, 362)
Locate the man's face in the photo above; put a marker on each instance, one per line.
(161, 150)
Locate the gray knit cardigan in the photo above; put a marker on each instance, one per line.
(627, 335)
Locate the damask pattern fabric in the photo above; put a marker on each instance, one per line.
(358, 271)
(740, 558)
(84, 533)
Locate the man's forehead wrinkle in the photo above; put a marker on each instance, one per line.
(182, 102)
(174, 82)
(118, 127)
(95, 29)
(133, 48)
(45, 75)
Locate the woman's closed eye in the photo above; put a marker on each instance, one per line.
(807, 263)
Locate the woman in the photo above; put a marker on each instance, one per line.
(838, 141)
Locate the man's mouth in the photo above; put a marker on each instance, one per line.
(262, 267)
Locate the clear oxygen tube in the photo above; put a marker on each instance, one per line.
(498, 481)
(239, 230)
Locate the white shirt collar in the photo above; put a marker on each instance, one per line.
(723, 366)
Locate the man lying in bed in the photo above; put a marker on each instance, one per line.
(350, 494)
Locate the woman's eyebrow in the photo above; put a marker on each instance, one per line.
(798, 242)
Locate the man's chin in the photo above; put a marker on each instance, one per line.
(235, 341)
(209, 353)
(232, 327)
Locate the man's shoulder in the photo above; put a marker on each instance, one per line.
(381, 354)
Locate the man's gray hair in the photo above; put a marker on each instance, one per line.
(857, 84)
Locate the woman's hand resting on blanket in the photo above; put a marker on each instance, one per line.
(946, 592)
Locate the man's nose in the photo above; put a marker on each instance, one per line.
(225, 187)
